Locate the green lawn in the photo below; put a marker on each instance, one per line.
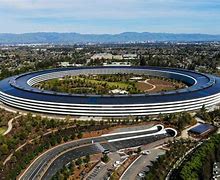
(2, 130)
(121, 85)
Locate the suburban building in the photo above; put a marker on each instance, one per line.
(130, 56)
(201, 130)
(115, 57)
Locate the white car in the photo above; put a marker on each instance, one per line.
(117, 164)
(141, 174)
(146, 152)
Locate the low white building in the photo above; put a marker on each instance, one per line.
(130, 56)
(67, 64)
(136, 78)
(64, 64)
(117, 64)
(118, 91)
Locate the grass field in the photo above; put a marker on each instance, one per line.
(2, 130)
(105, 85)
(120, 85)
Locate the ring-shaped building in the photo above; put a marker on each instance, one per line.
(202, 89)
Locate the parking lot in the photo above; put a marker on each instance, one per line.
(140, 166)
(101, 170)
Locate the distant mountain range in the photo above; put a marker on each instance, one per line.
(73, 38)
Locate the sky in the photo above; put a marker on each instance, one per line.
(110, 16)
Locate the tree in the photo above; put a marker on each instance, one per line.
(61, 176)
(4, 149)
(105, 158)
(142, 61)
(18, 154)
(78, 162)
(58, 138)
(65, 138)
(53, 140)
(79, 135)
(139, 150)
(29, 117)
(203, 109)
(201, 160)
(73, 136)
(86, 159)
(72, 166)
(204, 114)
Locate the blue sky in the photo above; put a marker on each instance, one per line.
(110, 16)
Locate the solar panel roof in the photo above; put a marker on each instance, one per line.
(202, 128)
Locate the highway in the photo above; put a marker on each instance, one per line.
(79, 148)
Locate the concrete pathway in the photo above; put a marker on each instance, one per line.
(199, 120)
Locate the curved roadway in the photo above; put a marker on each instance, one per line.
(46, 165)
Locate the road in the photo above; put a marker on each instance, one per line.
(67, 157)
(111, 146)
(140, 164)
(40, 164)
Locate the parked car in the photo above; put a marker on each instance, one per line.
(146, 152)
(141, 174)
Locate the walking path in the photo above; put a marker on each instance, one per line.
(153, 86)
(199, 120)
(29, 141)
(10, 125)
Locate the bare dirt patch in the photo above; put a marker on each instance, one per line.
(142, 86)
(158, 85)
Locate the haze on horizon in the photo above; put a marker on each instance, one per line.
(110, 16)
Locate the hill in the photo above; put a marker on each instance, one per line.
(73, 38)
